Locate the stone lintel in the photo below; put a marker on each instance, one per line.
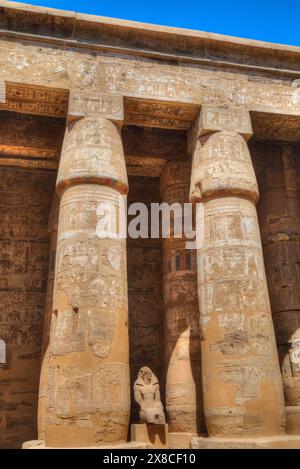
(82, 104)
(214, 119)
(141, 166)
(31, 99)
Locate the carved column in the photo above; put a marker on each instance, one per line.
(42, 405)
(181, 331)
(242, 387)
(87, 371)
(280, 219)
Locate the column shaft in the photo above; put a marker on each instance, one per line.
(241, 380)
(42, 405)
(181, 331)
(88, 372)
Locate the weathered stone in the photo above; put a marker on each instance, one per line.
(88, 395)
(241, 381)
(24, 207)
(140, 100)
(280, 442)
(147, 396)
(155, 435)
(279, 218)
(182, 335)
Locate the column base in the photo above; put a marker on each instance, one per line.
(276, 442)
(40, 444)
(151, 434)
(292, 420)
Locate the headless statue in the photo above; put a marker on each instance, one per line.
(147, 395)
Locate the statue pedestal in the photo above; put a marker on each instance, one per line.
(181, 440)
(153, 434)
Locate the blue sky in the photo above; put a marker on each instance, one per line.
(267, 20)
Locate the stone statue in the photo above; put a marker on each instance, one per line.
(147, 395)
(295, 358)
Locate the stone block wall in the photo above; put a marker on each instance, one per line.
(25, 199)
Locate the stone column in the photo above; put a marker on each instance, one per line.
(181, 324)
(280, 219)
(88, 395)
(242, 387)
(42, 405)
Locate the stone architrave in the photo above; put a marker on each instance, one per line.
(88, 392)
(242, 389)
(181, 321)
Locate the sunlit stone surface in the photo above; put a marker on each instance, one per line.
(105, 108)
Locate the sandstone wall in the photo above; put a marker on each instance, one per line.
(25, 199)
(278, 168)
(279, 218)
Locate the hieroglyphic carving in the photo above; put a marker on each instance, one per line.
(213, 119)
(30, 141)
(89, 336)
(82, 159)
(159, 114)
(224, 153)
(72, 69)
(278, 172)
(234, 304)
(74, 396)
(69, 333)
(109, 387)
(181, 322)
(248, 378)
(276, 127)
(24, 210)
(243, 335)
(39, 100)
(84, 103)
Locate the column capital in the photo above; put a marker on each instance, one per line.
(95, 104)
(92, 153)
(221, 167)
(215, 119)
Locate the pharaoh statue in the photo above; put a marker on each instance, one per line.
(147, 395)
(295, 358)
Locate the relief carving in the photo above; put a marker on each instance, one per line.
(83, 103)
